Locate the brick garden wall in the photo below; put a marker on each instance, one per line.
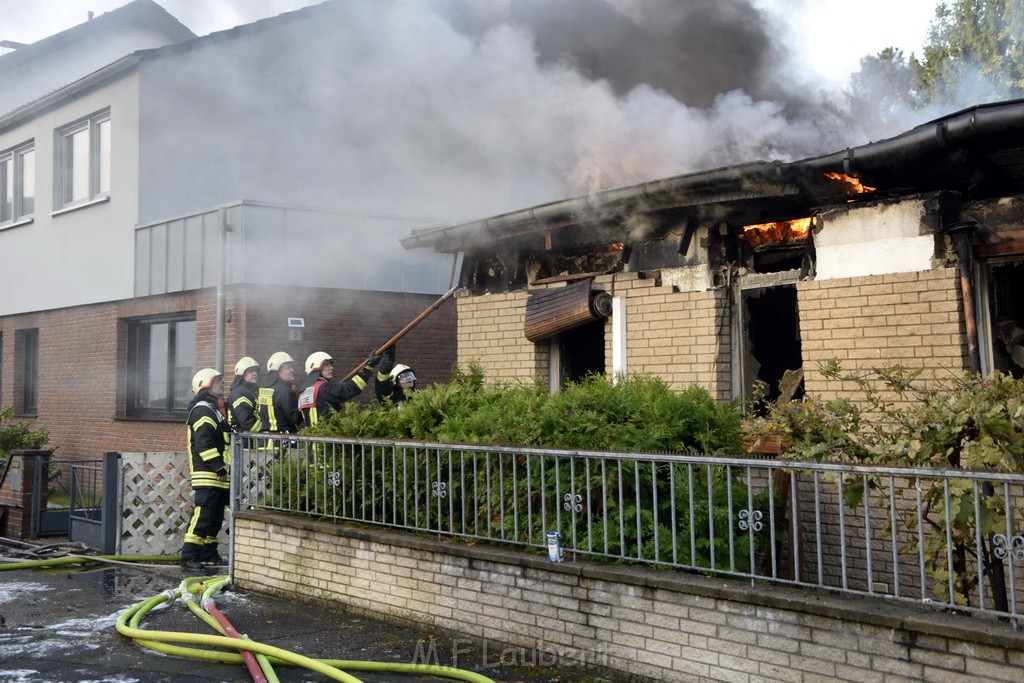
(638, 623)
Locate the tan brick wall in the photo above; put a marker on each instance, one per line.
(682, 337)
(644, 623)
(914, 319)
(490, 333)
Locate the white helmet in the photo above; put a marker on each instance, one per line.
(245, 363)
(203, 379)
(277, 360)
(398, 370)
(316, 361)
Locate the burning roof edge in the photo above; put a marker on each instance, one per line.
(999, 122)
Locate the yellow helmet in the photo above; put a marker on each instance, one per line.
(277, 360)
(316, 361)
(245, 363)
(203, 379)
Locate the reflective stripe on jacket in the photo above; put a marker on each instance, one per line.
(208, 439)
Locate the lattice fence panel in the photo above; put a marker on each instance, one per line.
(156, 503)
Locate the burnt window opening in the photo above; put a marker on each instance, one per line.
(1006, 313)
(493, 273)
(581, 352)
(777, 246)
(579, 260)
(771, 343)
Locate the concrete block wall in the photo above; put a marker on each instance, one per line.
(634, 622)
(915, 319)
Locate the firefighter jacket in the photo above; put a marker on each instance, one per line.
(387, 391)
(318, 397)
(208, 439)
(277, 405)
(242, 407)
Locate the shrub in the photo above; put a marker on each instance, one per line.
(628, 506)
(16, 435)
(971, 422)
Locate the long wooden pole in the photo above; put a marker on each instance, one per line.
(405, 330)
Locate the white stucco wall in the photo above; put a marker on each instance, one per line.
(873, 240)
(85, 255)
(25, 80)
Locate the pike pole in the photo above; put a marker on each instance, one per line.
(405, 330)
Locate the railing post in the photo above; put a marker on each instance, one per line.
(111, 505)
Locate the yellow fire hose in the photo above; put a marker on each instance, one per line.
(128, 624)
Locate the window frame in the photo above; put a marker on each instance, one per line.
(134, 362)
(15, 185)
(27, 358)
(97, 164)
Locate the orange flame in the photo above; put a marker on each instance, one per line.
(614, 247)
(851, 185)
(777, 231)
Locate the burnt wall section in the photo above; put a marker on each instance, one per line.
(915, 319)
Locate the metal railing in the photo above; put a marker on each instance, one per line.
(950, 538)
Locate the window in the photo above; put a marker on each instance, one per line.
(83, 160)
(26, 353)
(17, 183)
(161, 361)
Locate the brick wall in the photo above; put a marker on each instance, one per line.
(638, 622)
(83, 351)
(490, 332)
(868, 322)
(682, 337)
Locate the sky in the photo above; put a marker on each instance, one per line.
(829, 36)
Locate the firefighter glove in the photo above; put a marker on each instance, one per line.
(387, 361)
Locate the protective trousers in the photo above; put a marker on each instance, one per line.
(207, 519)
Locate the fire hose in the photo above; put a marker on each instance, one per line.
(405, 330)
(235, 647)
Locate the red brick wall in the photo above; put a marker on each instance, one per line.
(82, 352)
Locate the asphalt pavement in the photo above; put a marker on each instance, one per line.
(60, 627)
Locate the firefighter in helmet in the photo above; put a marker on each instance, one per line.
(320, 394)
(209, 459)
(276, 401)
(242, 413)
(393, 385)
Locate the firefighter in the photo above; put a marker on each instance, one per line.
(276, 401)
(242, 413)
(320, 395)
(392, 386)
(209, 459)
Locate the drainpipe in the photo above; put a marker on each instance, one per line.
(222, 240)
(960, 233)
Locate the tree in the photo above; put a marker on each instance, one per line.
(974, 53)
(883, 89)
